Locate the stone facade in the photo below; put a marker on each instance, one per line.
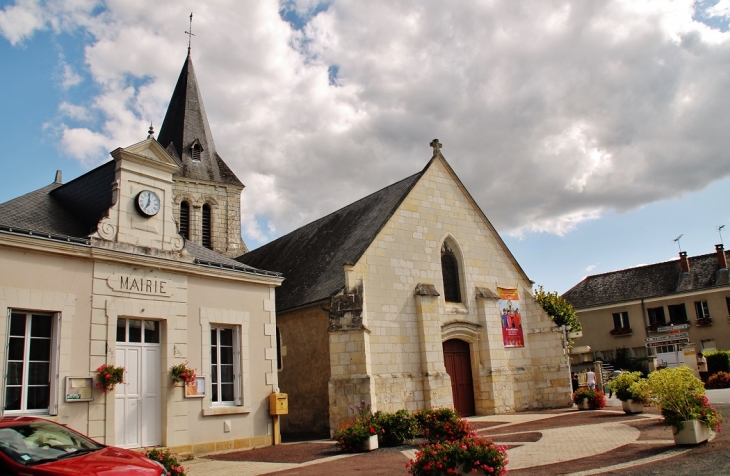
(225, 203)
(387, 327)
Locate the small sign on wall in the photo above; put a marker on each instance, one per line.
(79, 389)
(196, 390)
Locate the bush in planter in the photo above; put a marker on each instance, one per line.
(681, 397)
(182, 373)
(719, 380)
(108, 376)
(352, 437)
(596, 399)
(167, 459)
(395, 428)
(622, 385)
(466, 455)
(442, 424)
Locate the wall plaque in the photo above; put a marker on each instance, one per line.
(140, 284)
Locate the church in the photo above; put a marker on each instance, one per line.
(131, 265)
(409, 298)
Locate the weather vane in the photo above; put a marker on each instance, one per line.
(676, 240)
(719, 230)
(190, 32)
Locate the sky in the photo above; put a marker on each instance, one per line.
(592, 133)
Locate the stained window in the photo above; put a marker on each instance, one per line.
(185, 220)
(450, 274)
(206, 231)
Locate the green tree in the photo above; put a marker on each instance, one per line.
(559, 310)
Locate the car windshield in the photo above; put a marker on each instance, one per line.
(40, 441)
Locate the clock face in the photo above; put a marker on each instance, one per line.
(148, 203)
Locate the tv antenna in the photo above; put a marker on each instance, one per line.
(676, 240)
(719, 230)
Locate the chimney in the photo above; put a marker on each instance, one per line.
(684, 261)
(59, 178)
(721, 258)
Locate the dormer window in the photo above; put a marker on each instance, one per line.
(195, 151)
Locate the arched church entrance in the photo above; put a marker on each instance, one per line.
(457, 360)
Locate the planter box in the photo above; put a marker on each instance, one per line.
(630, 407)
(371, 443)
(584, 405)
(693, 432)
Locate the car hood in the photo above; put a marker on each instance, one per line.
(105, 462)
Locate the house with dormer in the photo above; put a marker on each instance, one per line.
(130, 265)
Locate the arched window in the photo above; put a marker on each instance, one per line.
(207, 242)
(185, 220)
(279, 361)
(450, 274)
(195, 151)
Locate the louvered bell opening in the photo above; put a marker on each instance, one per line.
(196, 152)
(206, 227)
(185, 220)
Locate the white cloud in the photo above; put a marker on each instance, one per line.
(551, 112)
(590, 268)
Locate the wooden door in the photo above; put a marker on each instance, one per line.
(457, 359)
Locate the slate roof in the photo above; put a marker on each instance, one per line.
(654, 280)
(184, 123)
(311, 257)
(72, 211)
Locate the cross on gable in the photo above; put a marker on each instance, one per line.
(436, 146)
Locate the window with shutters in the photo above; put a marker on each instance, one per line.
(225, 372)
(206, 229)
(185, 220)
(32, 361)
(450, 274)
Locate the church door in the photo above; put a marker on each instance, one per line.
(457, 359)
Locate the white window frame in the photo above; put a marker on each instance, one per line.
(702, 310)
(237, 380)
(55, 351)
(623, 318)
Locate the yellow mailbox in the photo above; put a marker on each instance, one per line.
(278, 404)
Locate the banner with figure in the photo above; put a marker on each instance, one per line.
(509, 307)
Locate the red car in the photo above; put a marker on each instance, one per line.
(35, 446)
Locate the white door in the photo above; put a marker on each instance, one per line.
(137, 404)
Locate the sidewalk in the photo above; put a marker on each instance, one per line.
(539, 443)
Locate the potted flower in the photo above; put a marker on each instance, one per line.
(167, 459)
(588, 399)
(108, 376)
(182, 373)
(681, 397)
(470, 455)
(633, 397)
(362, 433)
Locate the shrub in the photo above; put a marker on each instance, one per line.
(353, 436)
(719, 380)
(442, 424)
(681, 397)
(107, 376)
(395, 428)
(717, 361)
(596, 399)
(167, 459)
(623, 383)
(466, 455)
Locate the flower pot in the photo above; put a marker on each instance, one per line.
(584, 405)
(371, 443)
(631, 406)
(693, 432)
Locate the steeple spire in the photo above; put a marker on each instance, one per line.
(185, 132)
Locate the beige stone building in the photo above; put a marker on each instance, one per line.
(394, 300)
(653, 311)
(96, 271)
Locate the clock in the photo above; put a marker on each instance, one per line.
(148, 203)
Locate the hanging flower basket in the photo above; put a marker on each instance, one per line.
(182, 373)
(108, 376)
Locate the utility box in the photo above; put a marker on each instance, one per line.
(278, 404)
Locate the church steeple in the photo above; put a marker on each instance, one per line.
(185, 133)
